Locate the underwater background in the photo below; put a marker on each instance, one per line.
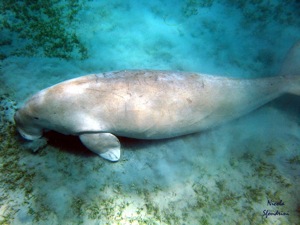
(226, 175)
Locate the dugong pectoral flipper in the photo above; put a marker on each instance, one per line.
(106, 145)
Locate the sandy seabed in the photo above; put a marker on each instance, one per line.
(243, 172)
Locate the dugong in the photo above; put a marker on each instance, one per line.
(145, 104)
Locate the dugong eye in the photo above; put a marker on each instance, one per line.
(36, 118)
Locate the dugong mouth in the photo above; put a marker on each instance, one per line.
(27, 136)
(26, 127)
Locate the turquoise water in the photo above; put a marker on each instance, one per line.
(227, 175)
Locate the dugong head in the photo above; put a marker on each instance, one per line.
(28, 122)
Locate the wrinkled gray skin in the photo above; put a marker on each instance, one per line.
(144, 104)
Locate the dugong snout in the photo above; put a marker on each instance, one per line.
(26, 127)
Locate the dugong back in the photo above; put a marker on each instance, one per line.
(160, 104)
(147, 104)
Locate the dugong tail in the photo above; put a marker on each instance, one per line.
(291, 69)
